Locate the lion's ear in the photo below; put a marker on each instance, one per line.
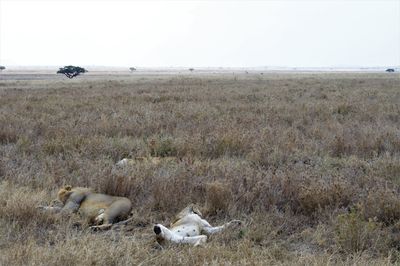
(68, 187)
(197, 211)
(194, 209)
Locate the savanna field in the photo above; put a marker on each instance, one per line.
(309, 162)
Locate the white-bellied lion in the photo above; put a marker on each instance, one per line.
(189, 227)
(101, 210)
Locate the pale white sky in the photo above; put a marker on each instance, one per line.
(200, 33)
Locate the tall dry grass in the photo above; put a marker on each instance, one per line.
(309, 162)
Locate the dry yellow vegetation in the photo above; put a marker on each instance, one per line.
(309, 162)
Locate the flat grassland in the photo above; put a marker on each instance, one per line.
(309, 162)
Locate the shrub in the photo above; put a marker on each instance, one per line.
(339, 147)
(354, 234)
(8, 135)
(24, 145)
(162, 147)
(18, 205)
(382, 204)
(318, 196)
(218, 197)
(62, 145)
(118, 185)
(231, 145)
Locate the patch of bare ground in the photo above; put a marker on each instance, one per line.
(309, 162)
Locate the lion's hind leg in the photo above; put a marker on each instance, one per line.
(118, 210)
(99, 219)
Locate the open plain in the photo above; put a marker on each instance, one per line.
(310, 162)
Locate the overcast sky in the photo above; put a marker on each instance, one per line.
(200, 33)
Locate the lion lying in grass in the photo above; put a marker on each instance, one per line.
(150, 160)
(188, 227)
(100, 209)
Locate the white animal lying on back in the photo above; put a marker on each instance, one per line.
(190, 228)
(152, 160)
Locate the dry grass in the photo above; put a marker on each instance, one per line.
(309, 162)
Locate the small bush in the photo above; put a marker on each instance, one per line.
(117, 185)
(382, 204)
(24, 145)
(262, 231)
(344, 109)
(218, 197)
(162, 147)
(339, 147)
(8, 135)
(228, 144)
(18, 205)
(56, 146)
(354, 234)
(318, 196)
(388, 168)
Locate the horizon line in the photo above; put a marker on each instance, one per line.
(204, 67)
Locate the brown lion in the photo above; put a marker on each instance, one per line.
(100, 210)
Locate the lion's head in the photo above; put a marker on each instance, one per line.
(64, 193)
(190, 209)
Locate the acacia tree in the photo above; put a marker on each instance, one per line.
(2, 68)
(191, 69)
(71, 71)
(132, 69)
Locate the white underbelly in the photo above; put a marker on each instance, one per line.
(186, 230)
